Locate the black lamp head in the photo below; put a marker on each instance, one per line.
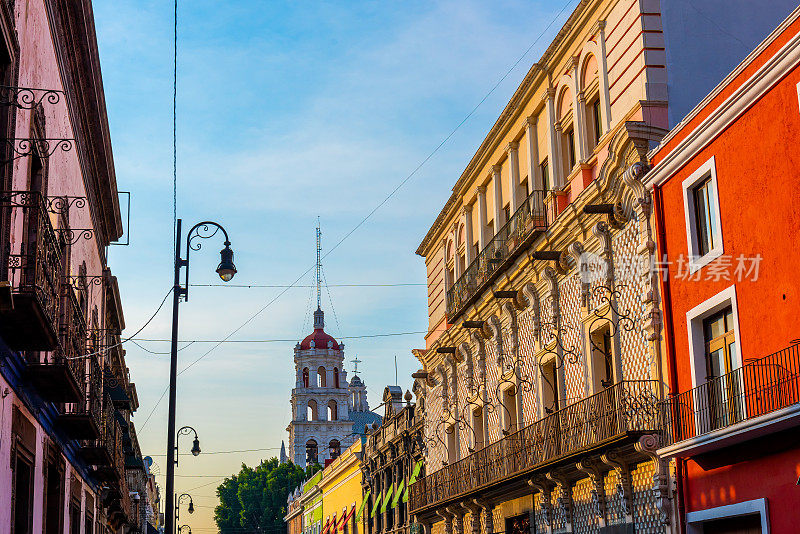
(196, 447)
(226, 268)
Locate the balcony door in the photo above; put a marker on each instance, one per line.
(724, 390)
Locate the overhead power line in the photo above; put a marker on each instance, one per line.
(287, 340)
(299, 286)
(376, 208)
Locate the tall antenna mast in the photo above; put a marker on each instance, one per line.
(319, 266)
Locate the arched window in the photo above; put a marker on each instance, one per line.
(336, 377)
(333, 412)
(322, 379)
(312, 454)
(335, 449)
(305, 377)
(568, 147)
(312, 410)
(591, 90)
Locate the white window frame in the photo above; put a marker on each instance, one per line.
(695, 520)
(696, 262)
(694, 324)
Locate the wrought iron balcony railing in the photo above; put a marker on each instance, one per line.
(83, 419)
(105, 452)
(58, 375)
(621, 411)
(757, 388)
(32, 266)
(522, 228)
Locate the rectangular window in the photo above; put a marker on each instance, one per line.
(510, 410)
(602, 358)
(75, 517)
(545, 175)
(477, 426)
(569, 140)
(452, 444)
(506, 213)
(22, 493)
(598, 125)
(702, 215)
(724, 397)
(705, 220)
(550, 400)
(53, 499)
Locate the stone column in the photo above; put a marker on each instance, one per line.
(513, 176)
(602, 69)
(498, 198)
(578, 113)
(553, 141)
(456, 264)
(468, 234)
(447, 281)
(482, 217)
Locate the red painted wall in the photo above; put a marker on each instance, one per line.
(758, 175)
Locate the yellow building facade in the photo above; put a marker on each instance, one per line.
(340, 488)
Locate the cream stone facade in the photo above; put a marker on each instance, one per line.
(327, 412)
(544, 364)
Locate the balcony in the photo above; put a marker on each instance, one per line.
(32, 269)
(616, 415)
(761, 397)
(524, 226)
(59, 375)
(105, 452)
(82, 420)
(117, 379)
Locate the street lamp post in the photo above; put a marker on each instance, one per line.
(178, 501)
(184, 528)
(226, 271)
(185, 430)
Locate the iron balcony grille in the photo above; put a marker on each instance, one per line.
(757, 388)
(72, 333)
(624, 409)
(32, 265)
(525, 224)
(83, 419)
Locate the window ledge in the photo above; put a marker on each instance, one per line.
(696, 264)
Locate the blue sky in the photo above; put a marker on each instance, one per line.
(288, 111)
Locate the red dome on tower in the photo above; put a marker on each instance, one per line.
(319, 337)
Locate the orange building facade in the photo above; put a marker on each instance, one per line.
(725, 190)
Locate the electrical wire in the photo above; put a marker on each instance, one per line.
(106, 349)
(175, 130)
(189, 344)
(225, 452)
(391, 334)
(376, 208)
(299, 286)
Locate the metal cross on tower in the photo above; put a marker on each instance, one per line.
(319, 266)
(355, 361)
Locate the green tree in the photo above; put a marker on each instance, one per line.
(254, 500)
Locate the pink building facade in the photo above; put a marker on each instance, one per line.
(69, 457)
